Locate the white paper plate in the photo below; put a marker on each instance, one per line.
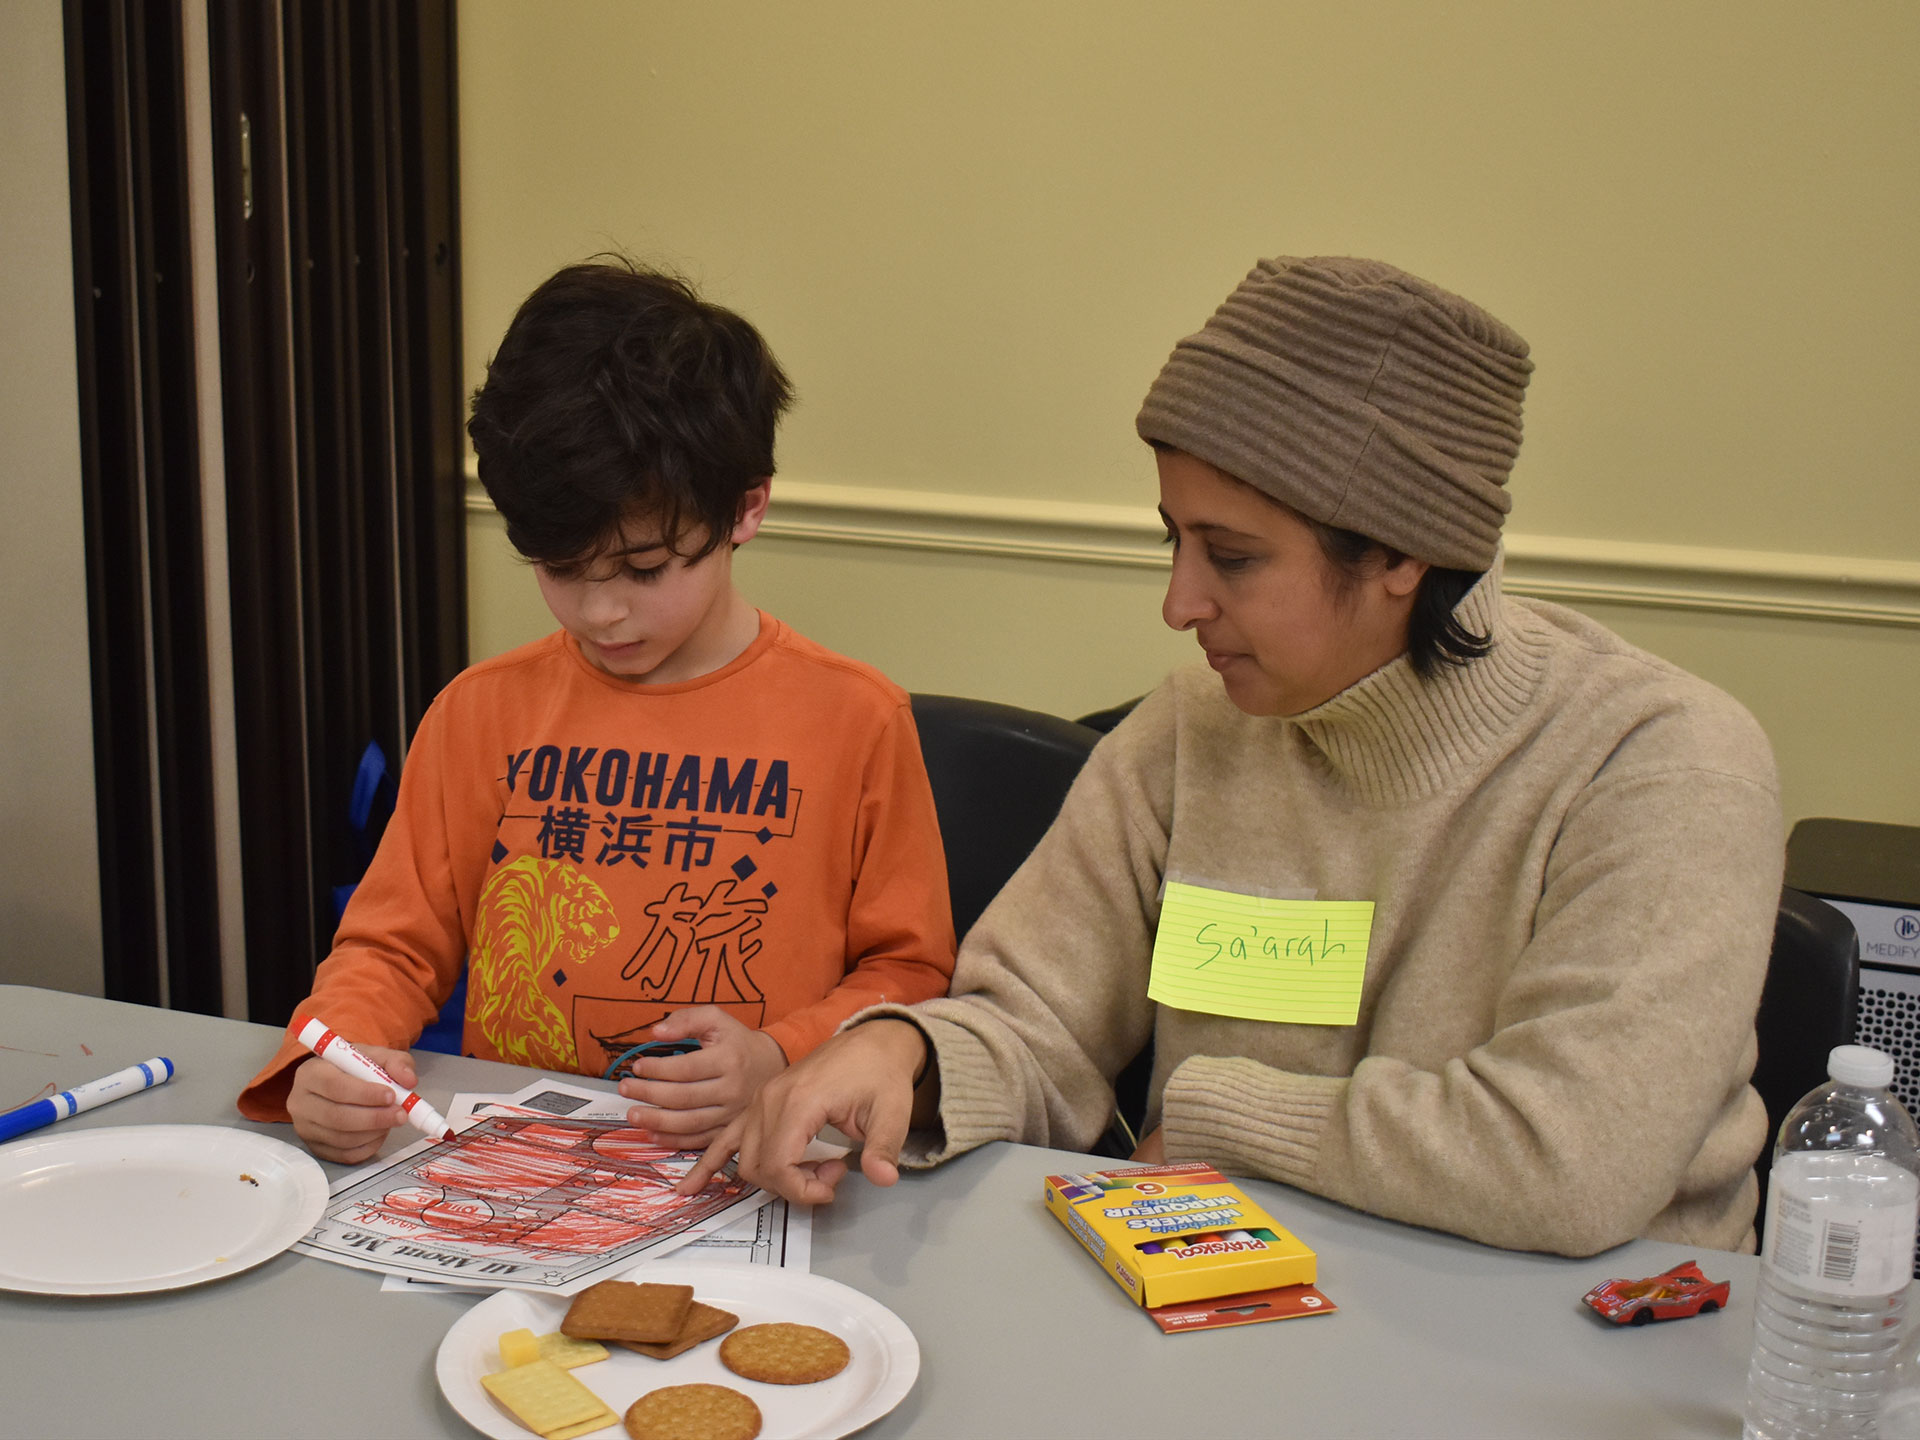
(126, 1209)
(885, 1361)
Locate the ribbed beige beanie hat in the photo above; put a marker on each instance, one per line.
(1361, 396)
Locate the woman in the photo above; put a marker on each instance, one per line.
(1572, 849)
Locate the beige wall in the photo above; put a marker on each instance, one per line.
(972, 233)
(49, 870)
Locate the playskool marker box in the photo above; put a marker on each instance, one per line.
(1175, 1234)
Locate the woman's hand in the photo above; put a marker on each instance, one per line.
(341, 1117)
(860, 1082)
(686, 1100)
(1152, 1149)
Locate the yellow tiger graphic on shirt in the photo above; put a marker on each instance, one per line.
(533, 914)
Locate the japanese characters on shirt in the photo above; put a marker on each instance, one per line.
(624, 884)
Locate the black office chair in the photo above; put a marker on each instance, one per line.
(999, 774)
(1105, 720)
(1810, 1004)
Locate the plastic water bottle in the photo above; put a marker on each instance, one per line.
(1900, 1407)
(1841, 1209)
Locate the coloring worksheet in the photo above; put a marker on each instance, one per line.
(776, 1234)
(542, 1190)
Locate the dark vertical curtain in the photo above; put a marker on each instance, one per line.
(334, 150)
(140, 479)
(339, 305)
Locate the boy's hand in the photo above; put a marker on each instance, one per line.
(342, 1117)
(691, 1098)
(860, 1082)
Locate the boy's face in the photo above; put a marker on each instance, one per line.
(641, 612)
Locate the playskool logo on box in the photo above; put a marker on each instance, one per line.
(1214, 1247)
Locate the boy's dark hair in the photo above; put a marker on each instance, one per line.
(1435, 636)
(618, 390)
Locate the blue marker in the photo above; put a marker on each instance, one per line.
(85, 1097)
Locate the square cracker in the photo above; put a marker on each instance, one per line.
(704, 1322)
(546, 1399)
(621, 1310)
(569, 1353)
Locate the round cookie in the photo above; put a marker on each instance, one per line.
(693, 1412)
(783, 1354)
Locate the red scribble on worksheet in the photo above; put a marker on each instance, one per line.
(83, 1048)
(43, 1054)
(543, 1188)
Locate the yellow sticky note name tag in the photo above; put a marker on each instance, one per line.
(1299, 962)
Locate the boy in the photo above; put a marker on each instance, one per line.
(672, 819)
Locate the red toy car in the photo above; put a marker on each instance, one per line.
(1680, 1292)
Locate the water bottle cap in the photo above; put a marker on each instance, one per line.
(1860, 1065)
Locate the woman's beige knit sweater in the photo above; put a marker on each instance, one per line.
(1574, 852)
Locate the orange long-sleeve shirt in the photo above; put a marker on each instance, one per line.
(601, 852)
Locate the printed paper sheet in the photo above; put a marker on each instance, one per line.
(777, 1234)
(541, 1190)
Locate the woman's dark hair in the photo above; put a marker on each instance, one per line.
(617, 390)
(1435, 636)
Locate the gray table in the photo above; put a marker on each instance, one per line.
(1020, 1334)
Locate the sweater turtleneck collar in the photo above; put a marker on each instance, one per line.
(1395, 738)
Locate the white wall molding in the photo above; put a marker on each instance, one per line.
(1126, 535)
(1562, 568)
(1847, 588)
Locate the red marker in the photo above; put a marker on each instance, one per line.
(342, 1056)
